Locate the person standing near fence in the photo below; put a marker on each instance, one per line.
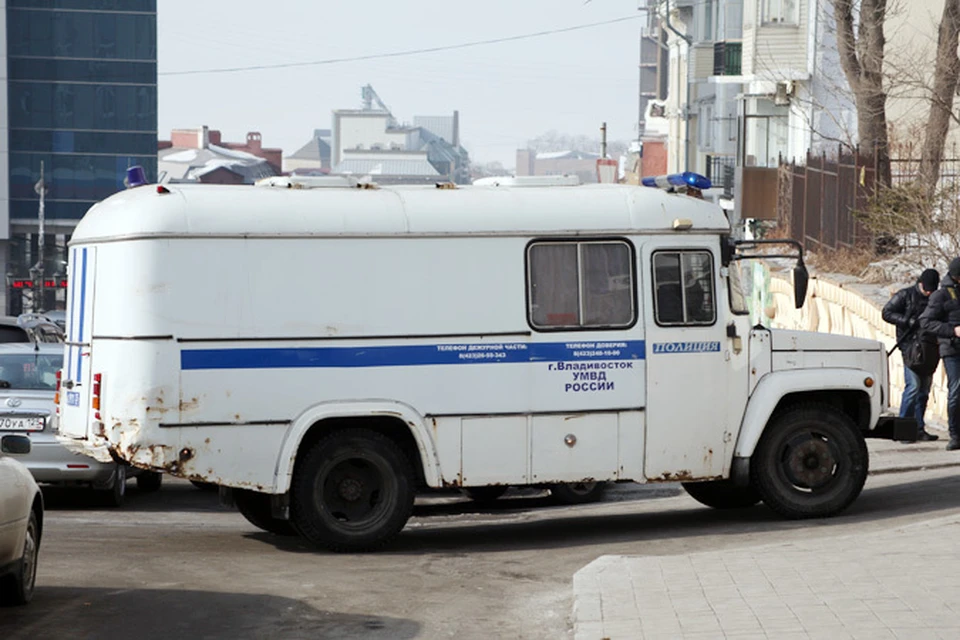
(942, 319)
(917, 348)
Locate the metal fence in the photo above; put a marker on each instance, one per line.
(818, 201)
(722, 172)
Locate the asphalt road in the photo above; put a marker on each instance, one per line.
(175, 564)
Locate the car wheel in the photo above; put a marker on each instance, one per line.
(811, 462)
(353, 491)
(255, 507)
(722, 494)
(578, 492)
(115, 495)
(17, 588)
(149, 481)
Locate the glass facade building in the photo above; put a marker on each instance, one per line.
(81, 85)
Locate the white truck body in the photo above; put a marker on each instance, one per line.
(228, 326)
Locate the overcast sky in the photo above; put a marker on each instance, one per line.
(506, 93)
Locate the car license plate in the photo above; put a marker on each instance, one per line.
(73, 398)
(21, 423)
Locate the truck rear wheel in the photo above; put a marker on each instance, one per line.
(811, 462)
(353, 491)
(722, 494)
(255, 507)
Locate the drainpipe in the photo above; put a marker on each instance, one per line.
(686, 109)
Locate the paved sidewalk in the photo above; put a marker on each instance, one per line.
(789, 591)
(887, 456)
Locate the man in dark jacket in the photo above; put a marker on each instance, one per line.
(942, 319)
(903, 310)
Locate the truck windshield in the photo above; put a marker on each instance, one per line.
(29, 371)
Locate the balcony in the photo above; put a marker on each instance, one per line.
(727, 56)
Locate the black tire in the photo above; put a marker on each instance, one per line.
(352, 491)
(205, 486)
(811, 462)
(722, 494)
(149, 481)
(255, 507)
(17, 587)
(485, 495)
(578, 492)
(116, 494)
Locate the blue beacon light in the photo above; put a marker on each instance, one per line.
(685, 179)
(135, 177)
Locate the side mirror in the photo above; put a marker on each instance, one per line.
(15, 444)
(800, 280)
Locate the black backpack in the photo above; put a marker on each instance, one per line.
(921, 355)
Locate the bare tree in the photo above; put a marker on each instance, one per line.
(861, 44)
(945, 77)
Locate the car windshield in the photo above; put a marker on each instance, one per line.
(29, 371)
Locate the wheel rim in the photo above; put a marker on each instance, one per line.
(355, 491)
(29, 563)
(810, 461)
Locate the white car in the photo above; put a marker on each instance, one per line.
(21, 523)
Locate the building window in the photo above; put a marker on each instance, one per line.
(780, 12)
(707, 31)
(580, 285)
(727, 58)
(683, 286)
(705, 132)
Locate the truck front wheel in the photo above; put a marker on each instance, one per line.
(353, 491)
(810, 462)
(722, 494)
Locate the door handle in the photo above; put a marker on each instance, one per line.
(737, 340)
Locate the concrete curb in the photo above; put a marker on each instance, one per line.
(918, 467)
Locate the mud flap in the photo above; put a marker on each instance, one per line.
(894, 428)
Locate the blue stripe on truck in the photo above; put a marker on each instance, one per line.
(73, 308)
(83, 304)
(408, 355)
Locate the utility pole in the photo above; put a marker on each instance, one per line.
(37, 270)
(603, 140)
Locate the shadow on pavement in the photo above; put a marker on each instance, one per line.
(145, 614)
(582, 527)
(173, 496)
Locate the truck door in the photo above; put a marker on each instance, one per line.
(696, 373)
(76, 383)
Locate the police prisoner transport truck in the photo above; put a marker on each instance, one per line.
(323, 350)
